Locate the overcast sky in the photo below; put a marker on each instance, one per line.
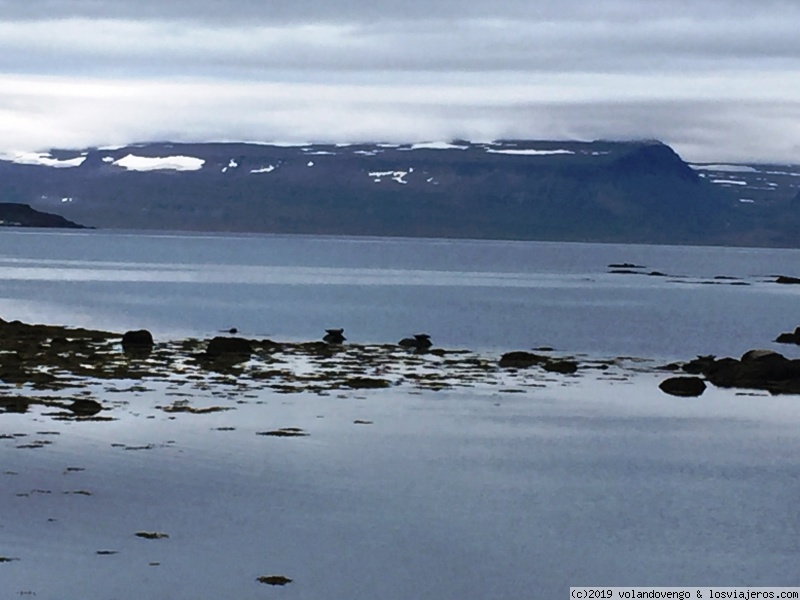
(716, 79)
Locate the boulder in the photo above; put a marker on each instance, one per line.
(789, 338)
(683, 386)
(85, 408)
(229, 347)
(334, 336)
(787, 280)
(758, 369)
(561, 366)
(420, 341)
(137, 341)
(699, 365)
(522, 360)
(625, 265)
(759, 355)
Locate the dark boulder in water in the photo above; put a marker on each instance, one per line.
(274, 580)
(420, 341)
(555, 365)
(229, 347)
(700, 365)
(522, 360)
(85, 408)
(625, 265)
(758, 369)
(787, 280)
(151, 535)
(334, 336)
(789, 338)
(683, 386)
(140, 340)
(751, 355)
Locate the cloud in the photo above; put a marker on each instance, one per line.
(713, 76)
(48, 112)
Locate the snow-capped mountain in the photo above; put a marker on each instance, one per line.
(611, 191)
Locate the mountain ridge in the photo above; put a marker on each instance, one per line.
(639, 191)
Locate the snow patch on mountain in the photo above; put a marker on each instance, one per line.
(724, 168)
(528, 152)
(437, 146)
(729, 182)
(398, 176)
(267, 169)
(46, 160)
(166, 163)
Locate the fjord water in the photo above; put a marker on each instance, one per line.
(473, 294)
(598, 479)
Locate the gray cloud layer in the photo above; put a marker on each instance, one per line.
(714, 78)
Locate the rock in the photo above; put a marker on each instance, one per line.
(625, 265)
(789, 338)
(758, 355)
(670, 367)
(273, 579)
(787, 280)
(420, 341)
(561, 366)
(758, 369)
(700, 364)
(229, 347)
(683, 386)
(363, 383)
(284, 432)
(140, 340)
(147, 535)
(15, 404)
(334, 336)
(85, 408)
(522, 360)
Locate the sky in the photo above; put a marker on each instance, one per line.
(715, 79)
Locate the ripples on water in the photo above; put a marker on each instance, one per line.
(474, 294)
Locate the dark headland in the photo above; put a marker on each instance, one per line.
(21, 215)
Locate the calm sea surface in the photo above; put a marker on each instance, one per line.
(474, 294)
(516, 488)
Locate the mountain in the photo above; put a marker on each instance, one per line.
(510, 189)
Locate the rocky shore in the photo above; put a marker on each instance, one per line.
(52, 365)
